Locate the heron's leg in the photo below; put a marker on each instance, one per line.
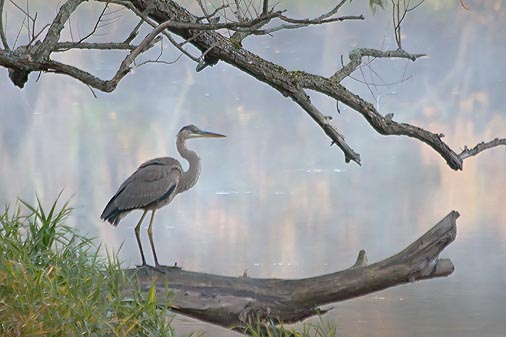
(137, 229)
(150, 234)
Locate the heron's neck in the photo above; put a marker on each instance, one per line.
(190, 177)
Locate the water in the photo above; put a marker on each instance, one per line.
(274, 198)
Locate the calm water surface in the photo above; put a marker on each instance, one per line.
(274, 198)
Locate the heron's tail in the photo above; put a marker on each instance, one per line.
(112, 214)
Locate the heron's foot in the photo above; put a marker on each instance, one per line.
(144, 265)
(162, 266)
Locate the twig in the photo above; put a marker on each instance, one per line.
(165, 33)
(19, 33)
(212, 14)
(466, 153)
(64, 46)
(356, 56)
(204, 10)
(300, 23)
(3, 38)
(265, 8)
(35, 36)
(134, 32)
(93, 31)
(53, 33)
(300, 97)
(464, 5)
(305, 24)
(27, 15)
(397, 18)
(21, 10)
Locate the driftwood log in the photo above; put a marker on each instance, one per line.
(232, 302)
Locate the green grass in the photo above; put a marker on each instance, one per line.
(53, 282)
(320, 329)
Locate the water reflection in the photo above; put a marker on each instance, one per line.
(274, 198)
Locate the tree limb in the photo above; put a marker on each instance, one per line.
(265, 7)
(383, 125)
(234, 301)
(213, 46)
(466, 153)
(3, 38)
(44, 49)
(289, 83)
(356, 56)
(302, 99)
(64, 46)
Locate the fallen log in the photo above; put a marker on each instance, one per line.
(232, 302)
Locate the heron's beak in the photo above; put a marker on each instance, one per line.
(208, 134)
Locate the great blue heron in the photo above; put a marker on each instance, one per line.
(154, 185)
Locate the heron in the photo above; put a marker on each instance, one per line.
(155, 184)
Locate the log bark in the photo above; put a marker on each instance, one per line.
(232, 302)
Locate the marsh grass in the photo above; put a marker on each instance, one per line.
(53, 282)
(321, 328)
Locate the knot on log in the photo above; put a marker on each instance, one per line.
(252, 313)
(19, 77)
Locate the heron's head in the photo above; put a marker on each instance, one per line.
(191, 131)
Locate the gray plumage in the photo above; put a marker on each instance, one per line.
(151, 186)
(155, 184)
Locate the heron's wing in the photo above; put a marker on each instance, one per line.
(154, 181)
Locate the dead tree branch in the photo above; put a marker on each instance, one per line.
(356, 56)
(303, 100)
(466, 153)
(232, 301)
(44, 49)
(64, 46)
(265, 7)
(168, 17)
(3, 38)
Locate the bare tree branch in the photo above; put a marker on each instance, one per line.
(332, 12)
(168, 16)
(95, 27)
(18, 60)
(466, 153)
(64, 46)
(319, 21)
(398, 18)
(210, 16)
(356, 56)
(265, 7)
(3, 38)
(44, 49)
(302, 99)
(134, 32)
(304, 23)
(300, 23)
(153, 24)
(239, 26)
(383, 125)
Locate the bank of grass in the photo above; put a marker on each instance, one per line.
(321, 328)
(53, 282)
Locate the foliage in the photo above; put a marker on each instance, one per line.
(375, 4)
(53, 282)
(319, 329)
